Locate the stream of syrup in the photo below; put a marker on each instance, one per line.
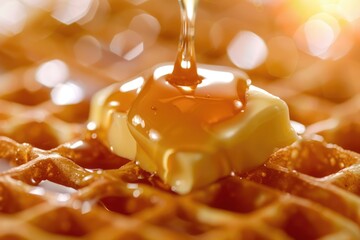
(185, 69)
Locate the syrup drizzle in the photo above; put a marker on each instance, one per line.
(171, 120)
(176, 120)
(185, 69)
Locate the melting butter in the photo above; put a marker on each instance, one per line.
(191, 137)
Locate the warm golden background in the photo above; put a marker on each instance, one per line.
(57, 53)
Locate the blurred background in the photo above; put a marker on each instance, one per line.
(60, 52)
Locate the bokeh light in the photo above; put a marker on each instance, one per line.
(13, 17)
(68, 11)
(67, 93)
(349, 9)
(52, 73)
(127, 44)
(318, 34)
(247, 50)
(146, 25)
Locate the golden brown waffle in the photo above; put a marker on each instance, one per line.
(306, 191)
(57, 182)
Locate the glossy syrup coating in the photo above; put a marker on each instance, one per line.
(149, 120)
(176, 132)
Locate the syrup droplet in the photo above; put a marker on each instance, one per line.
(185, 70)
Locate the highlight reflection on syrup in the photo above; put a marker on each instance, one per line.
(218, 97)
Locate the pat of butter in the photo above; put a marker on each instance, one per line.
(193, 156)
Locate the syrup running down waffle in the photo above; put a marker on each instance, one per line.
(58, 182)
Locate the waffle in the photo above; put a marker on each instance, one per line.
(59, 182)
